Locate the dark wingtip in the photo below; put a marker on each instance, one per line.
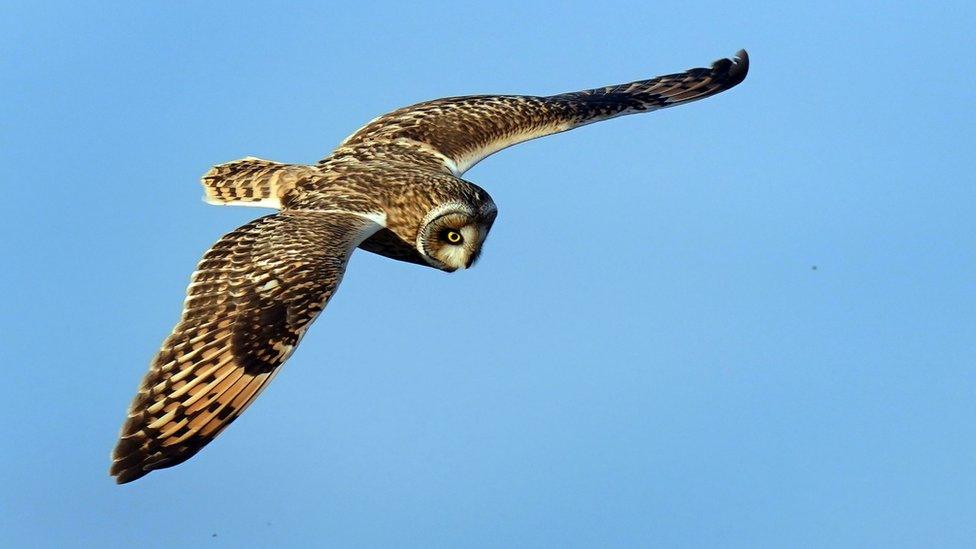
(125, 470)
(739, 69)
(124, 475)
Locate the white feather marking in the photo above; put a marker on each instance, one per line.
(273, 203)
(467, 161)
(470, 234)
(427, 148)
(376, 217)
(453, 256)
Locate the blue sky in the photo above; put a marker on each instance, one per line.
(748, 321)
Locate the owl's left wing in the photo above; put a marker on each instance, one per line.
(249, 303)
(456, 133)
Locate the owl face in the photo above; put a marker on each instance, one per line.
(454, 234)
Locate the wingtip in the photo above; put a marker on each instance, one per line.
(121, 479)
(740, 67)
(126, 468)
(125, 475)
(127, 458)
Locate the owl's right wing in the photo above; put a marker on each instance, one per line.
(456, 133)
(249, 303)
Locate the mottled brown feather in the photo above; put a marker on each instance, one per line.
(256, 291)
(254, 182)
(456, 133)
(252, 298)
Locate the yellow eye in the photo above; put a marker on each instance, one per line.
(453, 237)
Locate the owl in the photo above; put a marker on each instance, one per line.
(393, 188)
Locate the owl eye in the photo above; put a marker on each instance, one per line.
(453, 237)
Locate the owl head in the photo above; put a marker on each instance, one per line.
(452, 234)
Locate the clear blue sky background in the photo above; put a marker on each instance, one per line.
(744, 322)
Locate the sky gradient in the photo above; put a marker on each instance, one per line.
(748, 321)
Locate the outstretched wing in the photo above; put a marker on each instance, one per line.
(457, 132)
(254, 294)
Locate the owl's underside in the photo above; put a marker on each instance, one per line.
(392, 188)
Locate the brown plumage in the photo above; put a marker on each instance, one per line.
(255, 181)
(458, 132)
(392, 188)
(249, 303)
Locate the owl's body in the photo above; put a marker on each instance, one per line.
(393, 188)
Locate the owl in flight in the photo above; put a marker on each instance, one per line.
(393, 188)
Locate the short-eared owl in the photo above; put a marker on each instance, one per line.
(393, 188)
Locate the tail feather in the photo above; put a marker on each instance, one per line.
(253, 182)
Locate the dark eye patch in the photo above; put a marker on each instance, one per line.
(451, 236)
